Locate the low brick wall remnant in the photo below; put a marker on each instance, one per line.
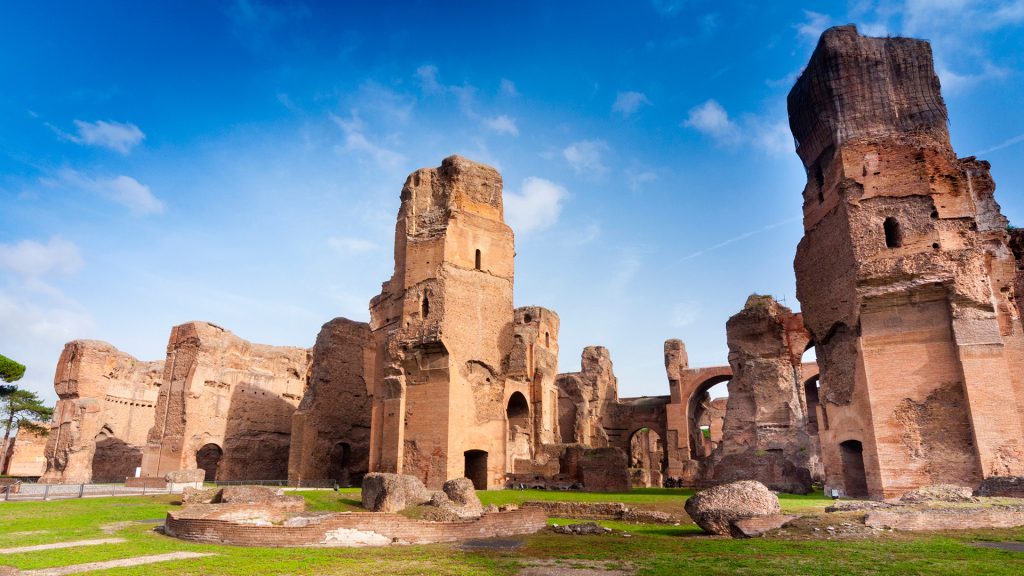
(243, 525)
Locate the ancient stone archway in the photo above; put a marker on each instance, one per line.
(208, 458)
(113, 459)
(476, 468)
(647, 458)
(854, 477)
(338, 467)
(699, 408)
(519, 441)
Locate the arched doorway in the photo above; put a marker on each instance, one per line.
(811, 398)
(519, 437)
(706, 412)
(208, 458)
(646, 458)
(854, 476)
(113, 459)
(338, 462)
(476, 468)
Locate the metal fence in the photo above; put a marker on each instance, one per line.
(33, 491)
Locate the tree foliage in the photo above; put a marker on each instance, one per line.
(10, 371)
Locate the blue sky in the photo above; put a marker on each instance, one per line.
(240, 162)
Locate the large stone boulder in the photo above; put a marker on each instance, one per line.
(715, 509)
(456, 501)
(383, 492)
(461, 492)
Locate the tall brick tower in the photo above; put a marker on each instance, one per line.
(904, 276)
(442, 327)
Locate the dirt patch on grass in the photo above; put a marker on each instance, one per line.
(576, 568)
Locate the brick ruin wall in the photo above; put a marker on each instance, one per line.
(27, 455)
(764, 434)
(106, 405)
(225, 405)
(904, 277)
(330, 437)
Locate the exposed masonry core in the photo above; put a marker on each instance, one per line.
(905, 278)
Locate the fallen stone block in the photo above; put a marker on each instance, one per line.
(756, 526)
(715, 509)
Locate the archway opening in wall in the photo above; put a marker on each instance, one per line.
(893, 234)
(706, 414)
(208, 458)
(337, 468)
(855, 479)
(647, 460)
(113, 459)
(519, 437)
(476, 468)
(477, 263)
(812, 400)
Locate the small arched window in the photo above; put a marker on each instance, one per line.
(893, 234)
(547, 340)
(425, 306)
(478, 259)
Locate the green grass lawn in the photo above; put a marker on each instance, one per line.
(649, 549)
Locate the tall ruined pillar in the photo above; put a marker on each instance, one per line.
(442, 327)
(764, 434)
(904, 276)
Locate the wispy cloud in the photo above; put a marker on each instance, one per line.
(31, 259)
(502, 125)
(739, 238)
(813, 25)
(116, 136)
(585, 157)
(508, 88)
(1004, 144)
(639, 179)
(685, 313)
(712, 120)
(356, 141)
(124, 190)
(537, 206)
(627, 103)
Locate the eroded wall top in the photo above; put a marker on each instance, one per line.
(855, 86)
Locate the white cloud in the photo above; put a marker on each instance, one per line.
(585, 157)
(508, 88)
(813, 25)
(123, 190)
(953, 82)
(32, 259)
(502, 125)
(774, 138)
(627, 103)
(536, 207)
(351, 245)
(712, 120)
(356, 141)
(429, 83)
(117, 136)
(637, 180)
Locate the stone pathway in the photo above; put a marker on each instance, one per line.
(58, 545)
(125, 563)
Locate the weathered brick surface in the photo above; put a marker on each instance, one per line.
(904, 277)
(394, 528)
